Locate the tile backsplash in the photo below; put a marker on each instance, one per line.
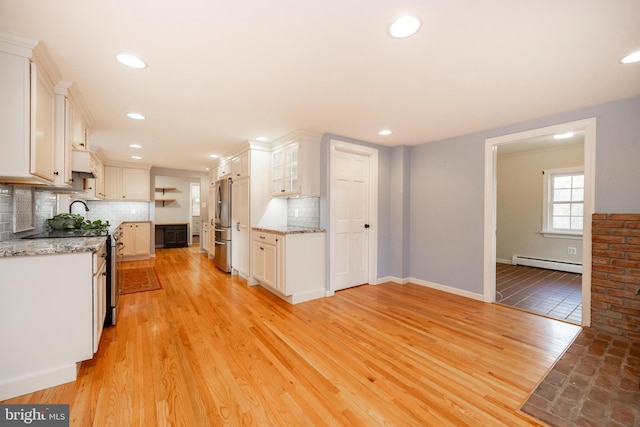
(115, 211)
(44, 207)
(303, 212)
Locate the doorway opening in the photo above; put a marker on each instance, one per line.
(524, 227)
(196, 222)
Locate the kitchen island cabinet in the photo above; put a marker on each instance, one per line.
(290, 262)
(50, 311)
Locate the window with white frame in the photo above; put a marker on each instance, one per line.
(563, 207)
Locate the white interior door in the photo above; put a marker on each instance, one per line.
(350, 219)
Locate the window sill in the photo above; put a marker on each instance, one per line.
(575, 235)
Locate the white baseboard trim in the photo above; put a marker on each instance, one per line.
(15, 387)
(504, 261)
(448, 289)
(392, 279)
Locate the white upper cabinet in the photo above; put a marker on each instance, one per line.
(240, 165)
(127, 183)
(27, 113)
(224, 170)
(69, 137)
(295, 165)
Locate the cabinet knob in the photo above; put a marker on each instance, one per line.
(56, 173)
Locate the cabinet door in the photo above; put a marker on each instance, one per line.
(99, 304)
(128, 239)
(136, 184)
(257, 258)
(277, 172)
(240, 226)
(205, 237)
(112, 183)
(77, 130)
(99, 184)
(240, 166)
(142, 239)
(224, 170)
(270, 266)
(42, 126)
(291, 168)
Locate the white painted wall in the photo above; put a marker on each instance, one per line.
(179, 210)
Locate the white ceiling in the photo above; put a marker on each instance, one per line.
(223, 72)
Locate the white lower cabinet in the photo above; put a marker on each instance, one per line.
(265, 260)
(55, 306)
(99, 294)
(205, 237)
(291, 265)
(136, 237)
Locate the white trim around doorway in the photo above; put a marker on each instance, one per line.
(491, 148)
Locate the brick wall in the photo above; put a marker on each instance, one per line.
(615, 307)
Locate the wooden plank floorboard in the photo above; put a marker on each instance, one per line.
(208, 350)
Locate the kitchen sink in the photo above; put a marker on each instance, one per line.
(53, 234)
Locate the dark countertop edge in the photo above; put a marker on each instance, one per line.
(288, 230)
(170, 223)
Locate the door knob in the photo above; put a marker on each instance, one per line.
(366, 226)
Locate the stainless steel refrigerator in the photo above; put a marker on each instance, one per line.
(223, 224)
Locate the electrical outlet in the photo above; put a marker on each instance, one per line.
(571, 250)
(295, 213)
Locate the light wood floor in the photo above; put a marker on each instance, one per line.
(208, 350)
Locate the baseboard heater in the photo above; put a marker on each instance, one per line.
(571, 267)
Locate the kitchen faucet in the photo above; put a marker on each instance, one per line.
(86, 208)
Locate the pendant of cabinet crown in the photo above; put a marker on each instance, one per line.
(295, 165)
(27, 112)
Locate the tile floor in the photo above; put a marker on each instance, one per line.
(596, 383)
(554, 294)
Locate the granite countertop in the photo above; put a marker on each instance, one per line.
(288, 230)
(65, 245)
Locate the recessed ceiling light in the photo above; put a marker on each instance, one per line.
(131, 60)
(213, 156)
(136, 157)
(262, 139)
(563, 135)
(135, 116)
(135, 145)
(404, 27)
(633, 57)
(385, 132)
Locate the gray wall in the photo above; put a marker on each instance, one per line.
(447, 209)
(445, 231)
